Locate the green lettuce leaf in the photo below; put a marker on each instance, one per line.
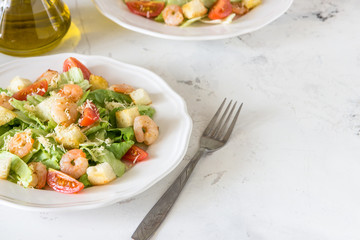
(100, 96)
(84, 179)
(191, 21)
(73, 76)
(5, 128)
(50, 153)
(177, 2)
(26, 112)
(49, 159)
(35, 99)
(6, 136)
(210, 3)
(159, 18)
(34, 150)
(107, 156)
(100, 126)
(99, 135)
(112, 117)
(146, 110)
(119, 149)
(83, 98)
(7, 92)
(19, 170)
(121, 134)
(118, 166)
(10, 125)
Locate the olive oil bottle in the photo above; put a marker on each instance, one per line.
(32, 27)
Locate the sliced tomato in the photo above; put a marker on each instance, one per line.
(221, 9)
(147, 9)
(63, 183)
(135, 154)
(39, 88)
(90, 114)
(73, 62)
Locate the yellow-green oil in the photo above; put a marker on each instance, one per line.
(32, 27)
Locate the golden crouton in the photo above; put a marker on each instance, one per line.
(98, 82)
(193, 9)
(251, 3)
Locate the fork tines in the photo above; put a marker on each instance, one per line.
(220, 129)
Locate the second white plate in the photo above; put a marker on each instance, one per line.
(268, 11)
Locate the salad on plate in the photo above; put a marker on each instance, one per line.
(70, 130)
(185, 12)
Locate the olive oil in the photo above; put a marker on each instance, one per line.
(32, 27)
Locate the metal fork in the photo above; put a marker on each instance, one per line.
(215, 136)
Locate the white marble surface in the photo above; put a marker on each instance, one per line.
(291, 169)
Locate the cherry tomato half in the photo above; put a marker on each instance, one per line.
(147, 9)
(38, 88)
(135, 154)
(221, 9)
(89, 115)
(73, 62)
(63, 183)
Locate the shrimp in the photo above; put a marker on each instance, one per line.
(40, 171)
(51, 76)
(239, 8)
(71, 91)
(21, 144)
(64, 112)
(122, 88)
(173, 15)
(145, 129)
(5, 101)
(74, 163)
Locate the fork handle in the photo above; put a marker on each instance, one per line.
(158, 212)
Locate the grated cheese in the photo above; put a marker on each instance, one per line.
(108, 142)
(54, 81)
(112, 105)
(3, 94)
(46, 143)
(67, 113)
(29, 107)
(99, 151)
(6, 143)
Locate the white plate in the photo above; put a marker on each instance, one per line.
(268, 11)
(165, 154)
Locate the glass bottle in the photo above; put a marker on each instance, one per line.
(32, 27)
